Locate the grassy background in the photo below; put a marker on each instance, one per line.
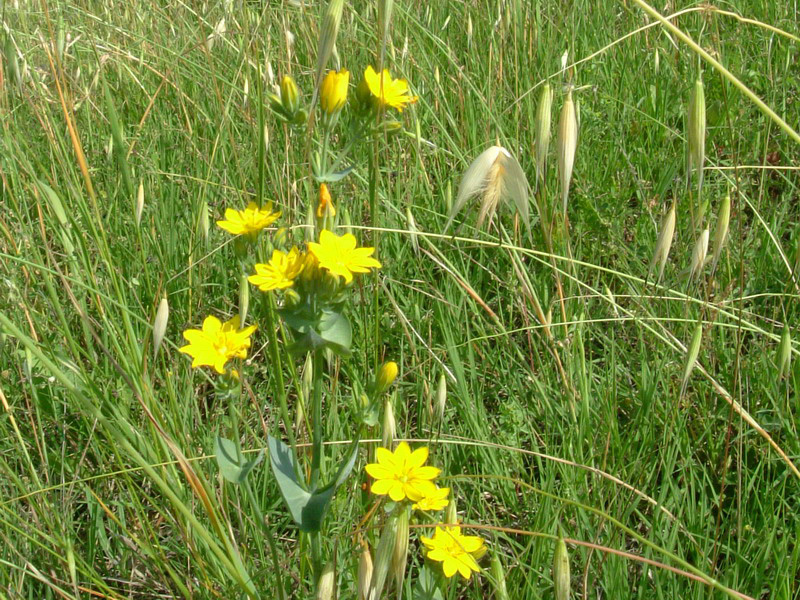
(91, 497)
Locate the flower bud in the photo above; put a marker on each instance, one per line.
(333, 94)
(364, 572)
(326, 583)
(386, 376)
(363, 97)
(389, 425)
(400, 554)
(561, 570)
(325, 209)
(290, 95)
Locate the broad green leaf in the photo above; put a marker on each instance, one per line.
(233, 467)
(335, 329)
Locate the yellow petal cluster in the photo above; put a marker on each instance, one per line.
(388, 91)
(280, 272)
(401, 474)
(433, 502)
(339, 255)
(251, 220)
(454, 550)
(217, 343)
(333, 93)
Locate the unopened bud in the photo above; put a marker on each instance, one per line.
(326, 582)
(325, 206)
(561, 570)
(389, 425)
(290, 95)
(386, 376)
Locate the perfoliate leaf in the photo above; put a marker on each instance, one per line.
(233, 466)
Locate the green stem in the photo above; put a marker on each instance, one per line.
(316, 456)
(280, 389)
(268, 535)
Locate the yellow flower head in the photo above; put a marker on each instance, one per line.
(333, 93)
(217, 343)
(251, 220)
(388, 91)
(339, 255)
(401, 473)
(435, 501)
(455, 551)
(281, 271)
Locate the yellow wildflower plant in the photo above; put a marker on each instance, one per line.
(454, 550)
(433, 502)
(340, 256)
(217, 343)
(388, 91)
(401, 474)
(280, 272)
(251, 220)
(333, 93)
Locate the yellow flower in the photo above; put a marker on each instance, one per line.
(400, 474)
(217, 343)
(251, 220)
(339, 255)
(333, 93)
(435, 501)
(454, 550)
(281, 271)
(388, 91)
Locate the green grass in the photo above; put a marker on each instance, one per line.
(539, 428)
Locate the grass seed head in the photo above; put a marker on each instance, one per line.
(327, 36)
(664, 242)
(160, 325)
(400, 553)
(364, 572)
(543, 122)
(494, 175)
(785, 352)
(413, 231)
(561, 576)
(696, 123)
(389, 432)
(721, 231)
(567, 143)
(327, 582)
(699, 255)
(383, 559)
(441, 399)
(691, 356)
(139, 203)
(498, 577)
(244, 298)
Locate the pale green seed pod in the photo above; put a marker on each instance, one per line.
(567, 143)
(561, 577)
(413, 231)
(785, 352)
(327, 582)
(160, 325)
(364, 572)
(498, 577)
(244, 298)
(691, 356)
(696, 123)
(543, 121)
(400, 554)
(721, 231)
(389, 425)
